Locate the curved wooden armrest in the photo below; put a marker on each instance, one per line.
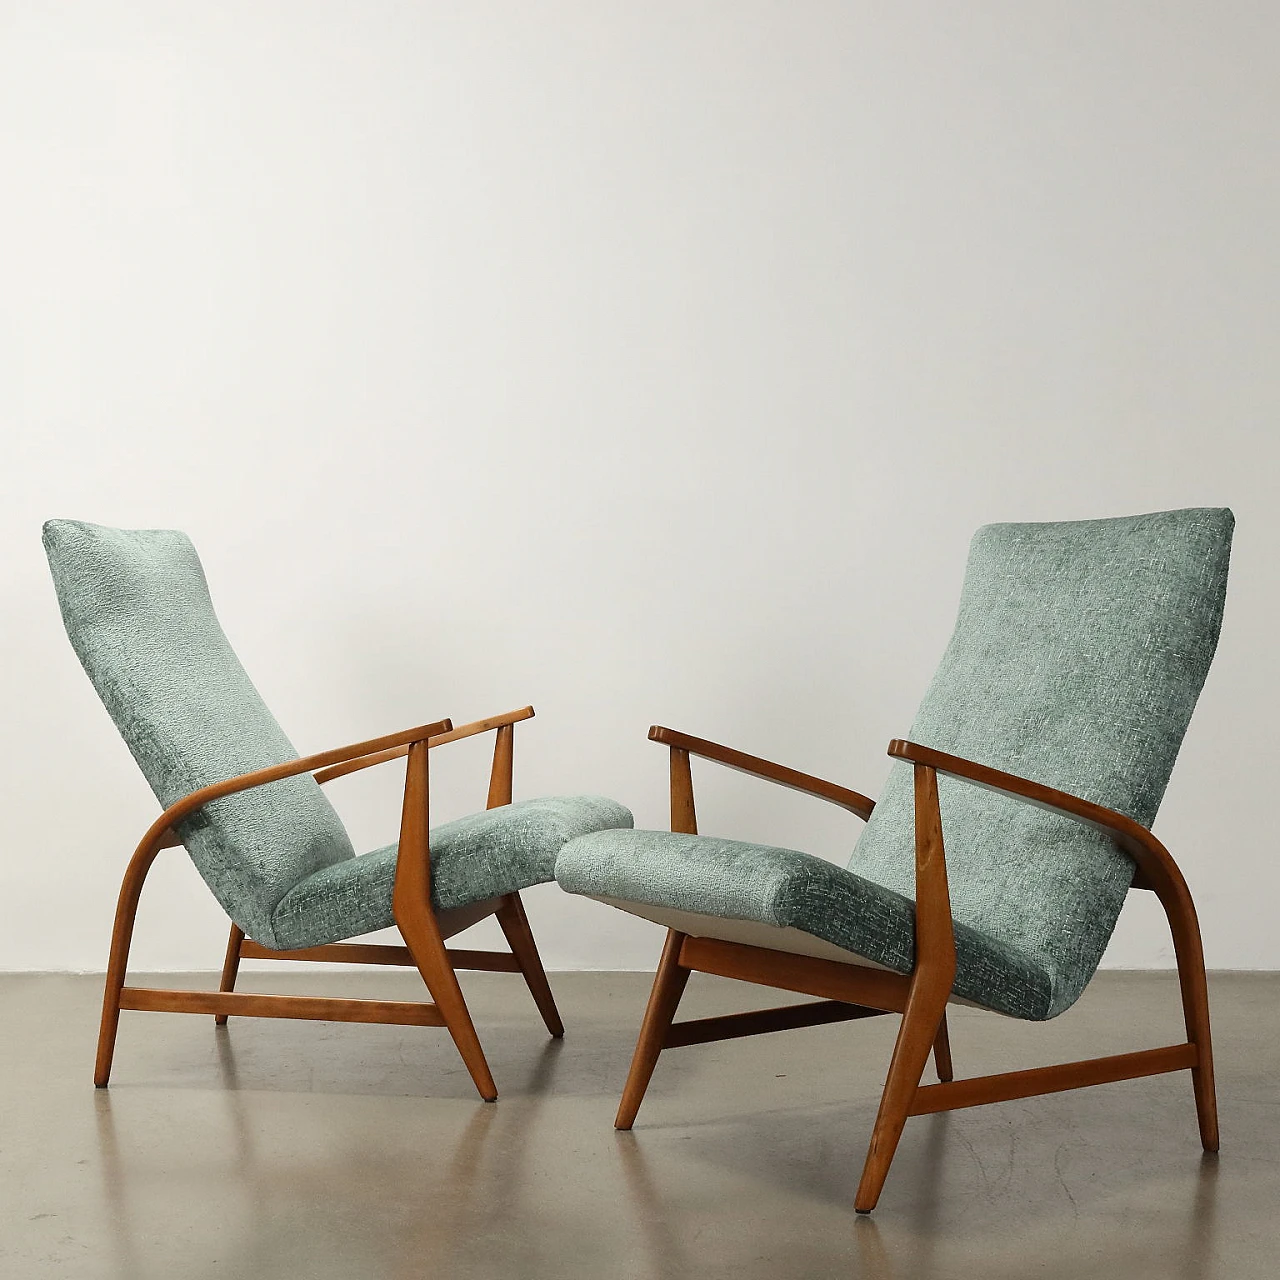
(766, 769)
(436, 740)
(160, 831)
(1156, 868)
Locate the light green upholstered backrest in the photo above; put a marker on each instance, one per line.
(1077, 659)
(137, 609)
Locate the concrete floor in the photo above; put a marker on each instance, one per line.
(286, 1149)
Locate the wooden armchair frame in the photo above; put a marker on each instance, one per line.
(851, 991)
(424, 930)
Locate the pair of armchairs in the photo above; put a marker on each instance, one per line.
(991, 871)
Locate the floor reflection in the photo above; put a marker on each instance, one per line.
(433, 1202)
(665, 1250)
(1202, 1223)
(922, 1232)
(384, 1175)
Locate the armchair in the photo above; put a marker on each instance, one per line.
(259, 829)
(1077, 660)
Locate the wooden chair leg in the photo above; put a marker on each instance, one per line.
(668, 986)
(107, 1029)
(920, 1031)
(1195, 1009)
(942, 1052)
(118, 963)
(411, 906)
(428, 951)
(515, 927)
(230, 967)
(1205, 1091)
(924, 1016)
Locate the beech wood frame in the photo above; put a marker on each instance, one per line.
(423, 929)
(851, 991)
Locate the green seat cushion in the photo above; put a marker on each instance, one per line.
(480, 856)
(780, 888)
(137, 610)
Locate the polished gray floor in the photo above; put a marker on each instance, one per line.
(285, 1149)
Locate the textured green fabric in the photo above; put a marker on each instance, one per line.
(477, 857)
(1078, 655)
(786, 889)
(137, 610)
(1077, 659)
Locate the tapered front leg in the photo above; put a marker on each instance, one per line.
(668, 986)
(924, 1019)
(411, 906)
(432, 960)
(916, 1037)
(1195, 1008)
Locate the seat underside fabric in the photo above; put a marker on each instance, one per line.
(657, 874)
(480, 856)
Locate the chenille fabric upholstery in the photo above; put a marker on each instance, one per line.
(137, 609)
(657, 873)
(480, 856)
(1077, 659)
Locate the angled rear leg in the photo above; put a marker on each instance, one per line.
(1202, 1080)
(668, 986)
(515, 927)
(511, 916)
(110, 1023)
(135, 876)
(1195, 1010)
(942, 1051)
(230, 968)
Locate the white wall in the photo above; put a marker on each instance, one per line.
(648, 362)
